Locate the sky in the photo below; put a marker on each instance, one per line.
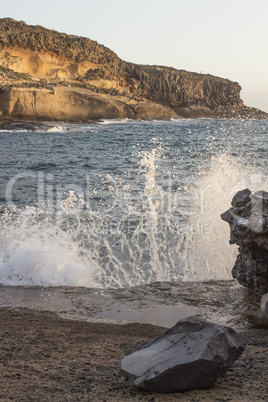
(223, 38)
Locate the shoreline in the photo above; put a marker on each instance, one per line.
(52, 358)
(67, 343)
(159, 303)
(9, 124)
(48, 75)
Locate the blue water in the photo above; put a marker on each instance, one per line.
(122, 203)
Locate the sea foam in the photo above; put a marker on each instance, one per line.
(158, 235)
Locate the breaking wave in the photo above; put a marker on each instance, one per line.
(156, 235)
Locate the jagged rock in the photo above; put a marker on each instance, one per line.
(241, 198)
(190, 355)
(248, 220)
(228, 216)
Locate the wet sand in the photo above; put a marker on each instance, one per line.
(160, 303)
(46, 357)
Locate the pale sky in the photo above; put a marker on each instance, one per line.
(224, 38)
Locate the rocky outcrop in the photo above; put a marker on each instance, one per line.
(190, 355)
(35, 57)
(75, 104)
(179, 88)
(248, 220)
(18, 35)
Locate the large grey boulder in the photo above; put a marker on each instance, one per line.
(190, 355)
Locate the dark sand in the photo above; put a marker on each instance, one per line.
(44, 357)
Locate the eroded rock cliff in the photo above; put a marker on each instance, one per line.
(35, 62)
(76, 104)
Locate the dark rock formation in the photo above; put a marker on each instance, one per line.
(38, 58)
(190, 355)
(248, 220)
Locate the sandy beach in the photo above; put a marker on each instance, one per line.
(45, 357)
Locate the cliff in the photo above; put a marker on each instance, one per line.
(43, 72)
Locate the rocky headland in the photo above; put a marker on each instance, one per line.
(47, 75)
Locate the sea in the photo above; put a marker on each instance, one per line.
(122, 216)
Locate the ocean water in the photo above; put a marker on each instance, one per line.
(123, 203)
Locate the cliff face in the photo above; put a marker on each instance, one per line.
(36, 59)
(18, 34)
(178, 88)
(76, 104)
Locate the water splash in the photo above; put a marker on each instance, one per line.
(56, 129)
(37, 251)
(114, 121)
(148, 232)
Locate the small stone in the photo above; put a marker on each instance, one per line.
(241, 198)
